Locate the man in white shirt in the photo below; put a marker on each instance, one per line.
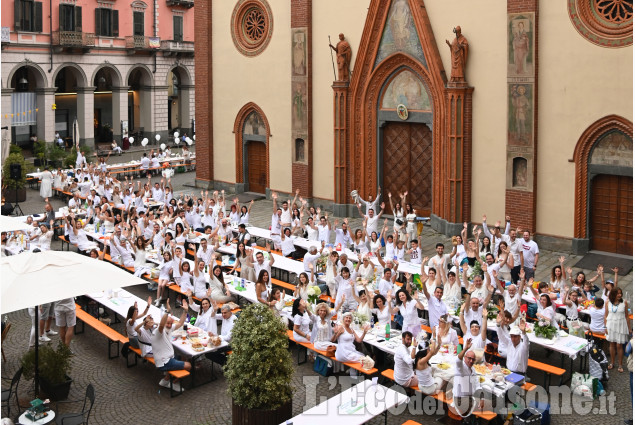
(164, 351)
(311, 257)
(415, 252)
(145, 162)
(515, 249)
(390, 247)
(205, 253)
(193, 218)
(530, 255)
(387, 282)
(344, 262)
(343, 235)
(404, 373)
(262, 264)
(324, 229)
(285, 216)
(436, 307)
(227, 325)
(225, 231)
(370, 204)
(475, 311)
(371, 218)
(276, 223)
(157, 191)
(154, 162)
(84, 187)
(441, 260)
(496, 237)
(517, 349)
(466, 382)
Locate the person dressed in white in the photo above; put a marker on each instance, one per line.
(423, 371)
(387, 282)
(407, 306)
(46, 184)
(83, 244)
(404, 359)
(163, 350)
(381, 308)
(343, 235)
(345, 338)
(206, 318)
(301, 321)
(322, 331)
(466, 383)
(370, 204)
(511, 294)
(324, 229)
(436, 307)
(43, 241)
(517, 348)
(371, 218)
(530, 254)
(597, 317)
(345, 287)
(477, 332)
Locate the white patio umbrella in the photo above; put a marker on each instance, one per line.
(76, 133)
(12, 224)
(31, 279)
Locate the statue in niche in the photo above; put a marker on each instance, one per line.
(344, 55)
(458, 51)
(519, 178)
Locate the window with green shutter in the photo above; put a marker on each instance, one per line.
(178, 28)
(138, 23)
(27, 15)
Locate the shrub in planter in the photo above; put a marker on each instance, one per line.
(15, 149)
(39, 150)
(54, 365)
(54, 155)
(7, 181)
(260, 369)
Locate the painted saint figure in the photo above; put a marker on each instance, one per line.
(521, 104)
(521, 48)
(344, 54)
(458, 50)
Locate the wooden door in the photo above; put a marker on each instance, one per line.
(256, 166)
(407, 150)
(611, 214)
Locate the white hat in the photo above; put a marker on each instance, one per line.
(515, 331)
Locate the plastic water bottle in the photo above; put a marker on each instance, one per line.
(388, 330)
(103, 230)
(242, 283)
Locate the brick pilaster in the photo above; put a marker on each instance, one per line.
(203, 93)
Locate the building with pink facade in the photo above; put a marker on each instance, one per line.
(114, 65)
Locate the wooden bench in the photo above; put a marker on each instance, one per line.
(112, 335)
(544, 367)
(411, 422)
(308, 346)
(283, 284)
(486, 415)
(174, 374)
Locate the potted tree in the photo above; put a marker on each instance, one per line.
(14, 189)
(39, 150)
(260, 368)
(54, 365)
(55, 155)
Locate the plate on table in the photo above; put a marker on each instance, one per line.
(548, 341)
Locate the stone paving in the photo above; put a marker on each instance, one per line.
(132, 395)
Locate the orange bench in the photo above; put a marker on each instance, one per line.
(174, 374)
(112, 335)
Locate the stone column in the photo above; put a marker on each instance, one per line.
(85, 115)
(6, 121)
(185, 98)
(340, 134)
(119, 110)
(45, 113)
(158, 95)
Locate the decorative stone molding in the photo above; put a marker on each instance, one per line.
(583, 149)
(251, 26)
(606, 23)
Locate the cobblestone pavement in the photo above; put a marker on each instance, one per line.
(132, 395)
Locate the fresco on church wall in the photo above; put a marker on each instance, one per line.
(614, 148)
(407, 89)
(400, 34)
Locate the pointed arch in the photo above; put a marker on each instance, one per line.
(240, 141)
(583, 149)
(366, 87)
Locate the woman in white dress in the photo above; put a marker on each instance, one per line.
(381, 309)
(165, 269)
(363, 300)
(206, 319)
(43, 241)
(427, 384)
(83, 244)
(408, 306)
(301, 321)
(198, 281)
(140, 264)
(398, 214)
(244, 213)
(346, 338)
(545, 310)
(411, 226)
(302, 287)
(618, 327)
(476, 332)
(46, 184)
(322, 331)
(219, 291)
(331, 272)
(375, 240)
(445, 330)
(244, 260)
(558, 276)
(311, 230)
(360, 241)
(57, 181)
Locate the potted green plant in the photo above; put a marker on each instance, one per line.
(54, 155)
(14, 189)
(260, 369)
(54, 366)
(39, 150)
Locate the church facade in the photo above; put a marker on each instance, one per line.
(520, 108)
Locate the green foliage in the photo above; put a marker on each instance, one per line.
(545, 330)
(260, 368)
(15, 149)
(54, 153)
(14, 158)
(476, 270)
(53, 364)
(39, 149)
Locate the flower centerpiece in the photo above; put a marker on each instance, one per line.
(360, 318)
(321, 263)
(544, 329)
(314, 294)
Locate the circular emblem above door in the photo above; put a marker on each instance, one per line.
(402, 112)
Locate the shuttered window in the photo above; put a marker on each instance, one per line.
(107, 22)
(178, 28)
(28, 15)
(138, 24)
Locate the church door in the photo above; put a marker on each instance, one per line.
(407, 156)
(611, 214)
(256, 166)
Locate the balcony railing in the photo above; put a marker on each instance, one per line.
(137, 42)
(73, 39)
(177, 47)
(186, 3)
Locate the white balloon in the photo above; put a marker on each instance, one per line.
(176, 134)
(194, 137)
(189, 141)
(157, 137)
(131, 139)
(144, 142)
(162, 146)
(177, 140)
